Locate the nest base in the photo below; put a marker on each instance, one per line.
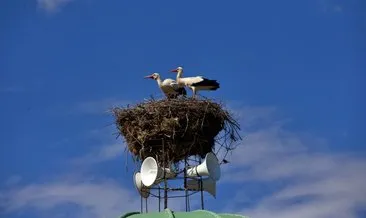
(186, 127)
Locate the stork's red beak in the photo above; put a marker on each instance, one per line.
(150, 76)
(174, 71)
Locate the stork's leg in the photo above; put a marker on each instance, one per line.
(194, 92)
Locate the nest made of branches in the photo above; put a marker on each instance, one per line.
(174, 129)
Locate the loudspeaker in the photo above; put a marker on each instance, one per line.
(210, 167)
(143, 190)
(152, 174)
(208, 185)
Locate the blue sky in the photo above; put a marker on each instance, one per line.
(293, 72)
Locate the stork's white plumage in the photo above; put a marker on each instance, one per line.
(169, 87)
(195, 83)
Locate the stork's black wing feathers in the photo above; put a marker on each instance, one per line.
(208, 82)
(181, 91)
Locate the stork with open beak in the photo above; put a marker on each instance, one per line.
(195, 83)
(169, 87)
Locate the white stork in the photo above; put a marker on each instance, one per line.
(195, 83)
(170, 87)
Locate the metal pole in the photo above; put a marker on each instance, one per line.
(165, 195)
(165, 181)
(159, 198)
(141, 206)
(201, 188)
(202, 203)
(146, 205)
(185, 183)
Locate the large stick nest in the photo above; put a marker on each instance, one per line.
(180, 127)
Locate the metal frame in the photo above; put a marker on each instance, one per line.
(166, 189)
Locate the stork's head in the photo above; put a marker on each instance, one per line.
(177, 70)
(153, 76)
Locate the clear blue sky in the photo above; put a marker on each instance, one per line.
(64, 62)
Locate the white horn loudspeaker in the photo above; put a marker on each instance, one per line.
(152, 174)
(143, 190)
(210, 167)
(208, 185)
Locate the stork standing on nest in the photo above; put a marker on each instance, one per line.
(195, 83)
(169, 87)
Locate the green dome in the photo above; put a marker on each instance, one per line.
(171, 214)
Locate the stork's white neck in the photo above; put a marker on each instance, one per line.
(158, 80)
(179, 74)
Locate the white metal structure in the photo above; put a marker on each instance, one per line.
(208, 185)
(152, 173)
(210, 167)
(143, 190)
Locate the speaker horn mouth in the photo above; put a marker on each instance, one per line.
(152, 174)
(144, 191)
(208, 185)
(213, 166)
(210, 167)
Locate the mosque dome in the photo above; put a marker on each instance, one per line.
(167, 213)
